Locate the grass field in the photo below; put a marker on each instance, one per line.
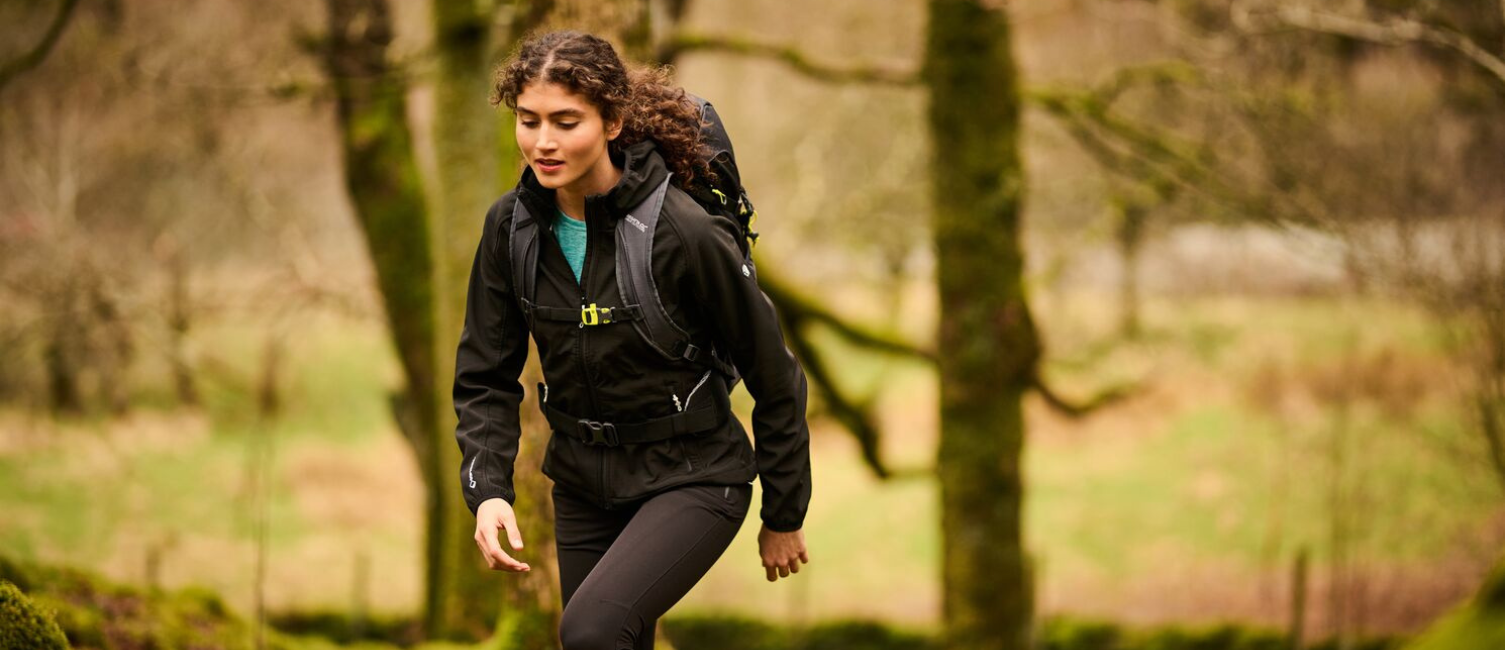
(1262, 426)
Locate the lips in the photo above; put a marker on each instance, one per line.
(547, 165)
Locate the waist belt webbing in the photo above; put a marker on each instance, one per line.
(613, 434)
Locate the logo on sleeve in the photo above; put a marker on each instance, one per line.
(746, 272)
(642, 227)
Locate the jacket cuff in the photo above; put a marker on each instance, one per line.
(783, 526)
(475, 504)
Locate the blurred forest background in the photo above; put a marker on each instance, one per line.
(1258, 248)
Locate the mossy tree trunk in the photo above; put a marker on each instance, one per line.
(464, 185)
(476, 159)
(381, 176)
(987, 341)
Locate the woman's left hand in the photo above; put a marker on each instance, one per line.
(782, 552)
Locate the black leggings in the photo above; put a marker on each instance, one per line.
(621, 569)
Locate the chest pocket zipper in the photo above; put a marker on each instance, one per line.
(698, 384)
(689, 466)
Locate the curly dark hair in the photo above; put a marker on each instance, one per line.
(648, 103)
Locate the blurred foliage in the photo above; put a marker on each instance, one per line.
(342, 628)
(727, 632)
(738, 633)
(1476, 625)
(95, 613)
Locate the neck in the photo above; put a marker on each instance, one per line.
(600, 179)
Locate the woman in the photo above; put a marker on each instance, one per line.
(652, 474)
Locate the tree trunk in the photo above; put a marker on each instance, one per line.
(381, 176)
(1130, 241)
(179, 321)
(472, 154)
(61, 351)
(463, 133)
(987, 342)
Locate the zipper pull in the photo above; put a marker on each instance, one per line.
(677, 405)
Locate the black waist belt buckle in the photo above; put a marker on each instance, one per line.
(600, 433)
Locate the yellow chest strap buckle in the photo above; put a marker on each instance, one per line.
(593, 315)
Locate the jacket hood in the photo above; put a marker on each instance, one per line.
(643, 168)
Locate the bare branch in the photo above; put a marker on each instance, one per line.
(34, 58)
(798, 315)
(1394, 31)
(790, 301)
(687, 42)
(1159, 157)
(1079, 409)
(855, 417)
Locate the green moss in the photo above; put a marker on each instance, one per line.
(1058, 634)
(24, 625)
(860, 634)
(340, 628)
(722, 632)
(87, 611)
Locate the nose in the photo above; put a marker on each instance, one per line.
(546, 140)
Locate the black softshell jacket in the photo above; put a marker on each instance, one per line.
(609, 373)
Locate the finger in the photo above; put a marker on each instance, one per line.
(771, 576)
(486, 537)
(804, 556)
(783, 571)
(794, 567)
(514, 536)
(495, 551)
(481, 545)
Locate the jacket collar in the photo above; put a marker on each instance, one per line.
(642, 166)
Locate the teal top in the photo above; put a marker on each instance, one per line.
(571, 236)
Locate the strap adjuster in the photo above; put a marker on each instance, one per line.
(601, 433)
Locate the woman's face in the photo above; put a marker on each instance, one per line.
(563, 137)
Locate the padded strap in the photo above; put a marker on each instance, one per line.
(524, 257)
(635, 274)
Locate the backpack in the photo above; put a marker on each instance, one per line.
(723, 195)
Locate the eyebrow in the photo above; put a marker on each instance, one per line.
(566, 112)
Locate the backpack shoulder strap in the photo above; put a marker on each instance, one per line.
(524, 258)
(635, 283)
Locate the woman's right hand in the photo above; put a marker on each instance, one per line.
(491, 515)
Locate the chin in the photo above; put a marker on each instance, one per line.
(552, 181)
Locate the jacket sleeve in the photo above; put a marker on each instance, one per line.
(493, 348)
(726, 287)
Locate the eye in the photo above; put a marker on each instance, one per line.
(528, 123)
(568, 125)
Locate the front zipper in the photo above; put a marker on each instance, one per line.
(580, 350)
